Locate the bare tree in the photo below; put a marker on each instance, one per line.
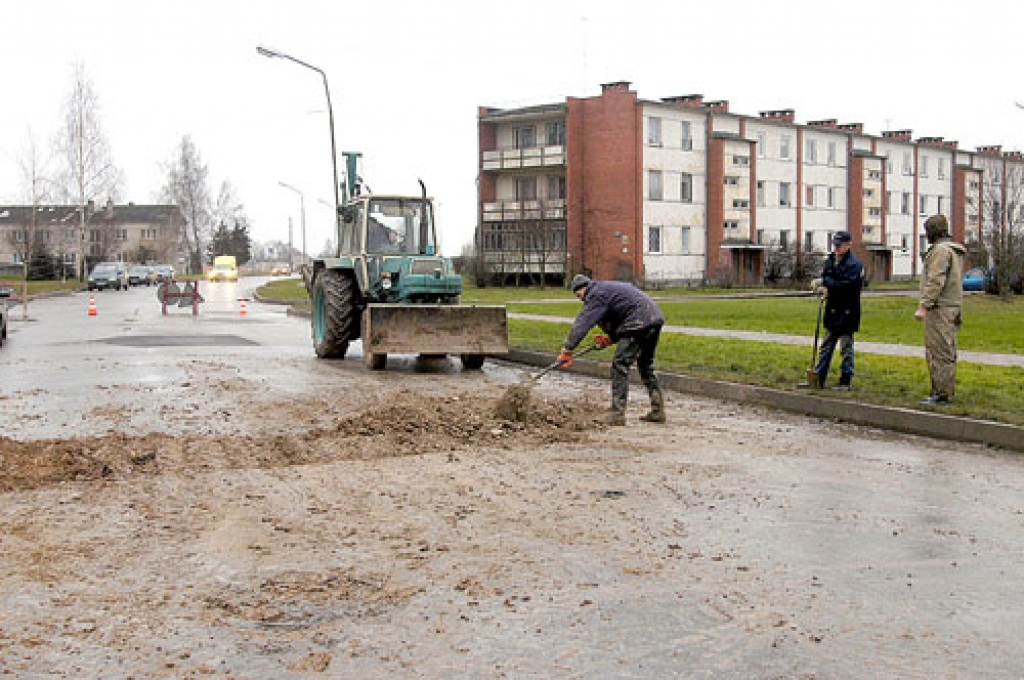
(89, 172)
(35, 187)
(188, 187)
(1003, 228)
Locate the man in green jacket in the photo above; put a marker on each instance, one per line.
(941, 297)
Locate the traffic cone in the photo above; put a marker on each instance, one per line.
(92, 305)
(241, 309)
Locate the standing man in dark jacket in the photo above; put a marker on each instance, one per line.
(840, 284)
(631, 319)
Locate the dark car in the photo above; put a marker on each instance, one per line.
(109, 275)
(5, 293)
(976, 279)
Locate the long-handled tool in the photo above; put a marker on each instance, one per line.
(576, 355)
(813, 380)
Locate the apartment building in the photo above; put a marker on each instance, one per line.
(129, 233)
(681, 190)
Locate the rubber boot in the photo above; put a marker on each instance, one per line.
(657, 413)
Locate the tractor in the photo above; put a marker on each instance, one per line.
(388, 284)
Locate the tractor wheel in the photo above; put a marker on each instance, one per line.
(335, 314)
(375, 362)
(472, 362)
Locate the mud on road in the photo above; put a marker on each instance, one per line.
(402, 525)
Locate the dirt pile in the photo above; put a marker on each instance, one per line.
(403, 424)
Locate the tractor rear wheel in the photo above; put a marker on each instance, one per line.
(335, 313)
(374, 361)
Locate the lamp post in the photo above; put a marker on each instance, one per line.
(302, 216)
(274, 54)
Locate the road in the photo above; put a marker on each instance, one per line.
(199, 496)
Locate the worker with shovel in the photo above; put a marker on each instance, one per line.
(630, 318)
(841, 281)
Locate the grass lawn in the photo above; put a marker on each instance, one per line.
(39, 287)
(990, 325)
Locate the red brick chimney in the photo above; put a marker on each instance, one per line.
(721, 106)
(852, 127)
(1014, 155)
(930, 141)
(784, 115)
(830, 123)
(617, 86)
(949, 144)
(990, 150)
(900, 135)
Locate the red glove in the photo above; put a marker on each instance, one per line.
(565, 359)
(602, 341)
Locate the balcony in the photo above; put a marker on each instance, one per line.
(514, 159)
(516, 211)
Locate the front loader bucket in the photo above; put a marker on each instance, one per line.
(435, 329)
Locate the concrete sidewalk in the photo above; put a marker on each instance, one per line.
(890, 349)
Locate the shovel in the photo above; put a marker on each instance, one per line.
(548, 369)
(813, 380)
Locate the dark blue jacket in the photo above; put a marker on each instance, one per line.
(618, 308)
(844, 280)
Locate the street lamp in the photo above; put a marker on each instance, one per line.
(302, 216)
(274, 54)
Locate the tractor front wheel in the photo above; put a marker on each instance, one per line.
(472, 362)
(335, 315)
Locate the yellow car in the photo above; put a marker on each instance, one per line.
(224, 269)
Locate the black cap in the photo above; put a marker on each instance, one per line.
(579, 281)
(841, 237)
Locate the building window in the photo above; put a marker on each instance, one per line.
(654, 188)
(908, 163)
(869, 193)
(809, 196)
(923, 170)
(731, 180)
(942, 168)
(732, 225)
(923, 207)
(556, 134)
(832, 154)
(741, 160)
(762, 144)
(809, 241)
(875, 212)
(687, 138)
(760, 192)
(830, 197)
(812, 151)
(784, 147)
(556, 187)
(149, 234)
(740, 203)
(784, 194)
(654, 239)
(525, 137)
(94, 237)
(888, 164)
(874, 174)
(938, 208)
(905, 203)
(784, 239)
(526, 189)
(121, 234)
(686, 188)
(686, 240)
(653, 131)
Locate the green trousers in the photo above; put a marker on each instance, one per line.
(941, 325)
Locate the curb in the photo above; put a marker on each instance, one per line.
(909, 421)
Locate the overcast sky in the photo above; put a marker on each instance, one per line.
(406, 79)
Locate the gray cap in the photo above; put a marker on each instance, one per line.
(841, 237)
(579, 281)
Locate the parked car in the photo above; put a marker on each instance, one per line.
(163, 272)
(976, 279)
(140, 275)
(109, 275)
(5, 293)
(281, 270)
